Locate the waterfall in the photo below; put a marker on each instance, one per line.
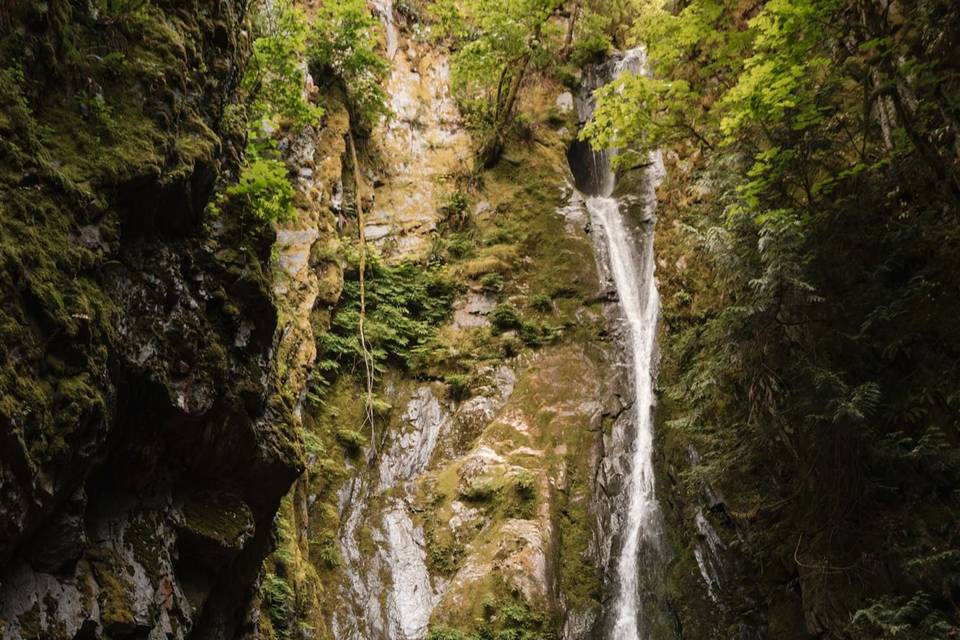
(630, 266)
(639, 303)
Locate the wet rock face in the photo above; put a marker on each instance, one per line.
(144, 450)
(411, 450)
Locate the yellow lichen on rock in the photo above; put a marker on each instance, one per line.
(420, 150)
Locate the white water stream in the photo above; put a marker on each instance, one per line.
(630, 262)
(639, 302)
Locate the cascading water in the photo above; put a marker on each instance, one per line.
(630, 265)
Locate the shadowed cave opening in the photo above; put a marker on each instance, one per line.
(590, 168)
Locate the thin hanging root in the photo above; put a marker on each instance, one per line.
(367, 356)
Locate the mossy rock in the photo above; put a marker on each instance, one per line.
(218, 520)
(115, 595)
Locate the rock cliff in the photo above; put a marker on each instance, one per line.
(145, 444)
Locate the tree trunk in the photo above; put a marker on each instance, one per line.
(493, 145)
(571, 28)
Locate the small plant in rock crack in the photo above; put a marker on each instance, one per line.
(492, 282)
(541, 302)
(505, 317)
(460, 246)
(481, 490)
(526, 486)
(352, 441)
(454, 211)
(327, 550)
(279, 601)
(458, 386)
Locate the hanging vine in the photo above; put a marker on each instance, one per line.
(364, 345)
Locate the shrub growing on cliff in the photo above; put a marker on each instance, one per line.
(526, 486)
(492, 282)
(461, 245)
(273, 88)
(445, 556)
(458, 385)
(505, 317)
(913, 618)
(541, 302)
(328, 549)
(480, 490)
(274, 80)
(344, 44)
(454, 210)
(263, 192)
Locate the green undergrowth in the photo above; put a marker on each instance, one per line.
(445, 553)
(500, 492)
(504, 617)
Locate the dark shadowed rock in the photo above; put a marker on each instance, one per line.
(144, 447)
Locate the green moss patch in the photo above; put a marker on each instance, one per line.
(222, 519)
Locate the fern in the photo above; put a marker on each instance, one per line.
(913, 618)
(405, 304)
